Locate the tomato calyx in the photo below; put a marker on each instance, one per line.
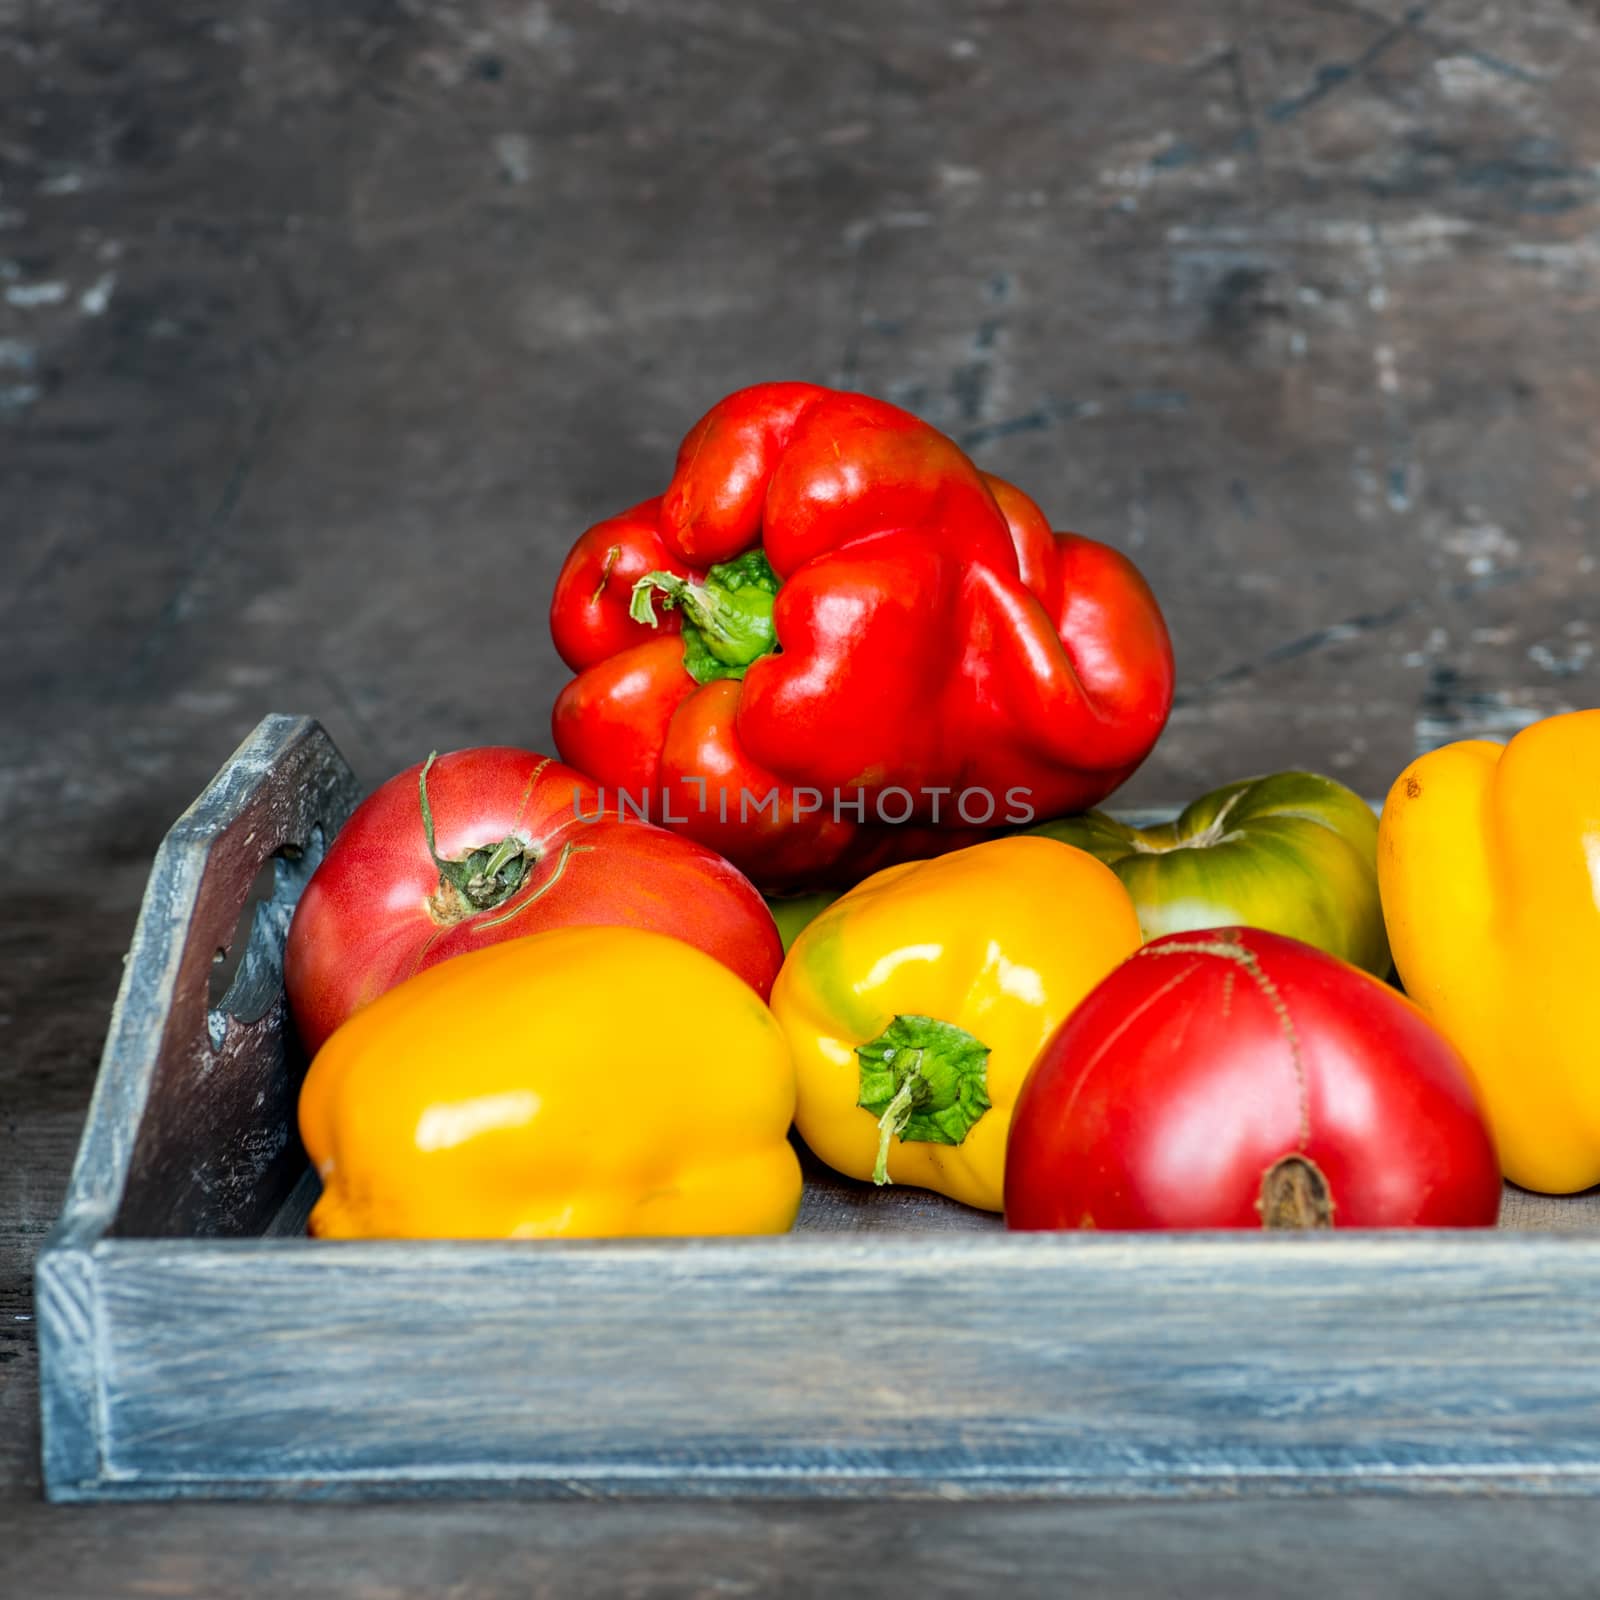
(925, 1081)
(480, 880)
(1156, 842)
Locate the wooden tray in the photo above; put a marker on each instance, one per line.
(194, 1343)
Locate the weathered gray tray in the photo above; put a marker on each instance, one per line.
(195, 1344)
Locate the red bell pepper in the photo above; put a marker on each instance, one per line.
(833, 623)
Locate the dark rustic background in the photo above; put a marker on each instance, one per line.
(325, 327)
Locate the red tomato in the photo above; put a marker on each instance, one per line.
(1239, 1079)
(517, 849)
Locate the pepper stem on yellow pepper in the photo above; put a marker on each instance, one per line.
(925, 1080)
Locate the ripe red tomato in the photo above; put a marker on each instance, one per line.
(516, 849)
(1240, 1079)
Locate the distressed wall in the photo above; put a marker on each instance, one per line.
(323, 329)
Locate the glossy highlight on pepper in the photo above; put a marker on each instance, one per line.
(577, 1083)
(1489, 865)
(914, 1006)
(831, 597)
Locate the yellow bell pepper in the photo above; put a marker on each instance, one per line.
(1489, 869)
(915, 1006)
(580, 1082)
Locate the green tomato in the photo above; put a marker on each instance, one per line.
(1293, 853)
(793, 911)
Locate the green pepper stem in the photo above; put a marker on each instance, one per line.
(699, 603)
(727, 619)
(925, 1081)
(893, 1122)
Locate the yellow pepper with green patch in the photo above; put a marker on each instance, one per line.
(1489, 868)
(914, 1006)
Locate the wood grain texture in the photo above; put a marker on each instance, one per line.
(71, 1426)
(1350, 1548)
(937, 1365)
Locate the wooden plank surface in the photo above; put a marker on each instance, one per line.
(945, 1364)
(317, 322)
(1344, 1549)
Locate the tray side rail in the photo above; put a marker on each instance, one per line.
(943, 1365)
(190, 1128)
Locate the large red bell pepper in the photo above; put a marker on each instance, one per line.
(832, 623)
